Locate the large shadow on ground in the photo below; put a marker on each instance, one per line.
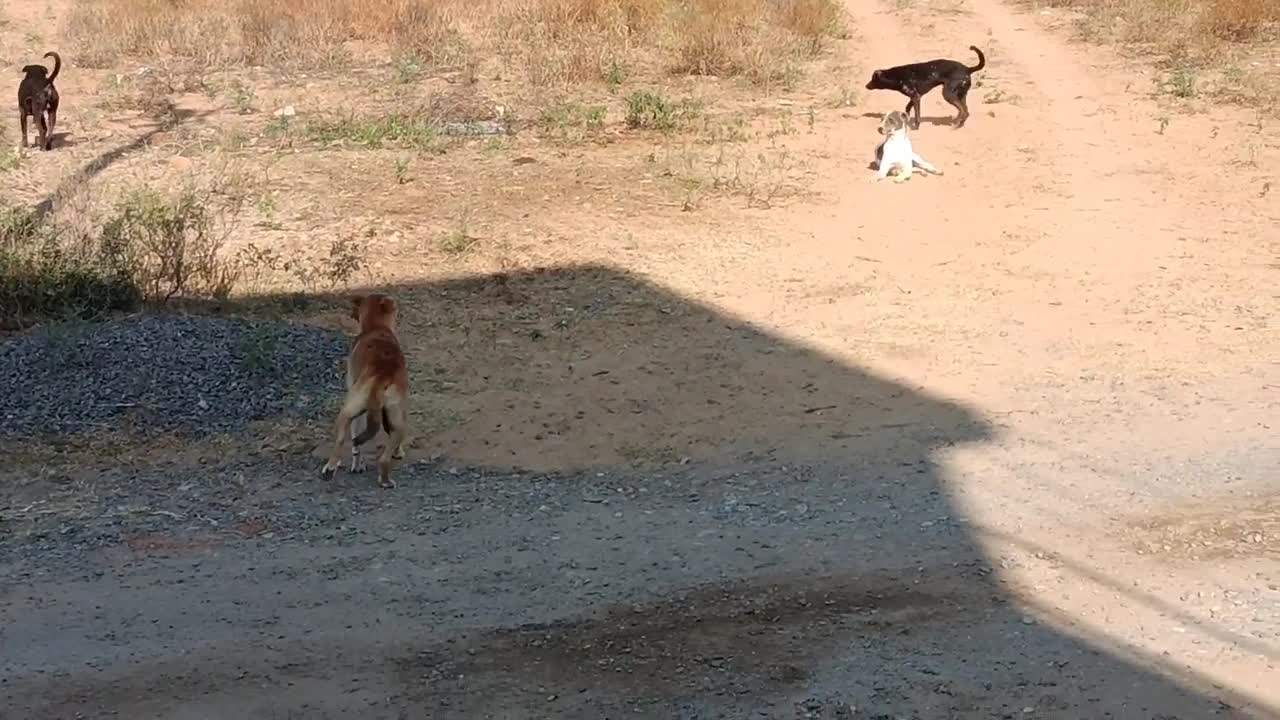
(736, 526)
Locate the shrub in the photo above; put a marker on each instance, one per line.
(150, 249)
(40, 278)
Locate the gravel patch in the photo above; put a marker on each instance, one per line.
(249, 589)
(165, 374)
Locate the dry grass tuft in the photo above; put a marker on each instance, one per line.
(761, 40)
(1201, 26)
(549, 42)
(1205, 47)
(1239, 20)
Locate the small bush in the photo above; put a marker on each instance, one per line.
(167, 246)
(570, 122)
(405, 130)
(650, 111)
(40, 278)
(151, 248)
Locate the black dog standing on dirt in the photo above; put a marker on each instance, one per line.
(917, 79)
(38, 98)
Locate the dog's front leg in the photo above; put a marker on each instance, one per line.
(882, 172)
(22, 121)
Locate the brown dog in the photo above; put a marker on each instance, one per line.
(377, 387)
(38, 98)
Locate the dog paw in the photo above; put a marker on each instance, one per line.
(357, 464)
(326, 472)
(387, 482)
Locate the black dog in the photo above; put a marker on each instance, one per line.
(917, 79)
(39, 98)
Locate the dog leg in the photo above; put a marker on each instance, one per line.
(904, 172)
(883, 171)
(42, 127)
(913, 111)
(53, 121)
(352, 406)
(398, 453)
(397, 428)
(955, 96)
(22, 120)
(915, 157)
(357, 463)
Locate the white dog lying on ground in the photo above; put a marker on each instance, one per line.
(895, 150)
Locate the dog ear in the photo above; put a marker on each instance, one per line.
(356, 302)
(388, 307)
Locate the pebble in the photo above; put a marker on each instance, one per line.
(165, 373)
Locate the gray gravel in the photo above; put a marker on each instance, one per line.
(165, 373)
(250, 590)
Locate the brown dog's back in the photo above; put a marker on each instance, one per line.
(377, 386)
(377, 363)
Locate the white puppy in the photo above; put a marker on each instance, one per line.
(895, 151)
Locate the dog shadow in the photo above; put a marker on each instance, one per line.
(61, 140)
(935, 120)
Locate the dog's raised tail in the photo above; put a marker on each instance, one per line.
(57, 65)
(982, 59)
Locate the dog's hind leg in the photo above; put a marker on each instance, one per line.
(43, 131)
(955, 94)
(924, 164)
(352, 405)
(22, 122)
(398, 454)
(53, 121)
(359, 438)
(397, 428)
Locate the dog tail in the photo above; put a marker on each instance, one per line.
(982, 60)
(374, 415)
(57, 65)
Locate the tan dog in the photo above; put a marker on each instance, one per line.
(377, 387)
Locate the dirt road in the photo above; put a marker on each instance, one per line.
(1000, 443)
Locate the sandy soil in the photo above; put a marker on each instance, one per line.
(1000, 443)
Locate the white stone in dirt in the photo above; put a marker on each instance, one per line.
(286, 111)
